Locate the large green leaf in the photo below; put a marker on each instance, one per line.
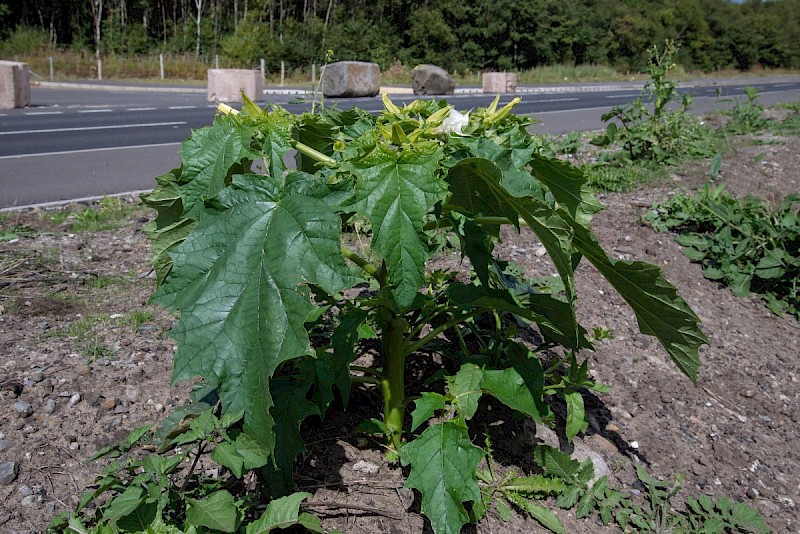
(217, 511)
(520, 387)
(395, 190)
(241, 455)
(658, 308)
(210, 155)
(480, 177)
(290, 409)
(479, 296)
(465, 388)
(443, 463)
(280, 513)
(569, 187)
(239, 284)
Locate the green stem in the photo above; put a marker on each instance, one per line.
(488, 221)
(365, 380)
(366, 266)
(314, 154)
(393, 382)
(441, 328)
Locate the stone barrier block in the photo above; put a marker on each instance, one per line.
(227, 85)
(15, 86)
(431, 80)
(499, 82)
(351, 79)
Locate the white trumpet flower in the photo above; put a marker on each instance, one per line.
(453, 124)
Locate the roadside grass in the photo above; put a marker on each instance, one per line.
(71, 64)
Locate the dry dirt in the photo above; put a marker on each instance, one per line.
(90, 359)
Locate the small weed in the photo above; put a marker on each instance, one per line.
(16, 231)
(745, 243)
(109, 214)
(57, 217)
(101, 282)
(137, 318)
(606, 177)
(563, 144)
(747, 116)
(81, 328)
(790, 125)
(655, 512)
(96, 349)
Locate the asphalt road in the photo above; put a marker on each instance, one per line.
(87, 142)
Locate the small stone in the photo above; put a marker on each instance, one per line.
(37, 377)
(8, 472)
(753, 493)
(28, 429)
(83, 369)
(5, 445)
(74, 399)
(108, 404)
(131, 393)
(24, 409)
(634, 445)
(24, 490)
(366, 468)
(29, 500)
(49, 407)
(581, 453)
(159, 407)
(611, 427)
(74, 446)
(749, 393)
(50, 507)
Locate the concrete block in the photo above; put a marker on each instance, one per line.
(499, 82)
(15, 86)
(431, 80)
(351, 79)
(227, 85)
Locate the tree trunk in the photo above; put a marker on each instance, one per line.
(97, 15)
(199, 5)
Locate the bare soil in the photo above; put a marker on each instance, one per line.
(76, 329)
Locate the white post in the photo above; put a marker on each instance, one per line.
(313, 74)
(263, 76)
(161, 65)
(216, 61)
(283, 73)
(99, 69)
(51, 68)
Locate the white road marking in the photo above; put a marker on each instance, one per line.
(44, 113)
(94, 110)
(182, 107)
(140, 109)
(623, 96)
(82, 151)
(555, 100)
(84, 128)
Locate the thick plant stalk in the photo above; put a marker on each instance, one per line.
(393, 381)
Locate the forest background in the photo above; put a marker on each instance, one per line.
(463, 36)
